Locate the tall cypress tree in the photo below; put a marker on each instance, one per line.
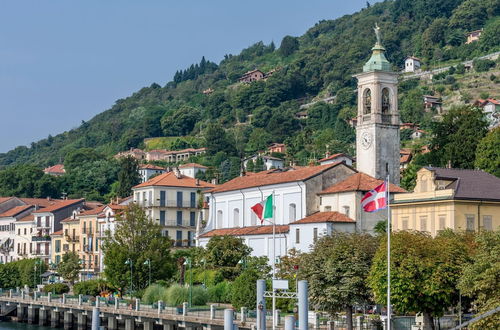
(128, 176)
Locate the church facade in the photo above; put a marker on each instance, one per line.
(314, 201)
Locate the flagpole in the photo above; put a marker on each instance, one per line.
(388, 257)
(274, 266)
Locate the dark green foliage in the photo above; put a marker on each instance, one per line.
(128, 176)
(488, 153)
(483, 65)
(27, 181)
(69, 267)
(91, 287)
(20, 273)
(288, 45)
(195, 70)
(220, 293)
(456, 137)
(243, 293)
(226, 251)
(181, 122)
(78, 157)
(412, 107)
(56, 288)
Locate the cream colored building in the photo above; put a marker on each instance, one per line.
(449, 198)
(173, 201)
(67, 239)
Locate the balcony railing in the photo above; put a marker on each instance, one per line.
(183, 243)
(72, 238)
(175, 223)
(170, 203)
(41, 253)
(40, 238)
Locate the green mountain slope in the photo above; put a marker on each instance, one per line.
(318, 63)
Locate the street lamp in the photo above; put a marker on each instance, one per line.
(129, 262)
(82, 262)
(148, 263)
(204, 262)
(188, 263)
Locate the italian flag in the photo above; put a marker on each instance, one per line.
(264, 209)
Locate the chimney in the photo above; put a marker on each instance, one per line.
(214, 181)
(197, 182)
(177, 173)
(327, 154)
(449, 163)
(48, 198)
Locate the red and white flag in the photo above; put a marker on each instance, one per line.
(375, 199)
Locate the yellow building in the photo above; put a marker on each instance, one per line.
(66, 239)
(449, 198)
(89, 253)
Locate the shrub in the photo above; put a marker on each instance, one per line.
(243, 289)
(57, 288)
(200, 296)
(91, 287)
(483, 65)
(153, 293)
(220, 293)
(176, 295)
(209, 277)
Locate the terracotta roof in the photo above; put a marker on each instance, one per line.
(94, 211)
(414, 58)
(4, 199)
(405, 158)
(254, 230)
(30, 217)
(192, 165)
(16, 210)
(335, 156)
(42, 202)
(359, 182)
(332, 216)
(58, 168)
(170, 180)
(270, 177)
(59, 205)
(470, 184)
(151, 167)
(57, 233)
(70, 219)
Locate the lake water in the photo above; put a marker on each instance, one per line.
(20, 326)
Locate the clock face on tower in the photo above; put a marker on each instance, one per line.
(366, 140)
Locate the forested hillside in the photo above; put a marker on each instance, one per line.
(238, 119)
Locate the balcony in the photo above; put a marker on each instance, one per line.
(183, 243)
(40, 253)
(174, 223)
(45, 238)
(72, 238)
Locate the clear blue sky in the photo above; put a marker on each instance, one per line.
(65, 61)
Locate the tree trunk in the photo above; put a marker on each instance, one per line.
(348, 314)
(428, 321)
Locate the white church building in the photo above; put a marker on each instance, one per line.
(314, 201)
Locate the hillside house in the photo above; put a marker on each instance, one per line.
(491, 107)
(133, 152)
(277, 147)
(473, 36)
(56, 170)
(433, 103)
(270, 162)
(147, 170)
(192, 169)
(335, 158)
(412, 64)
(250, 76)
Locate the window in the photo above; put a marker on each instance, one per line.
(487, 222)
(58, 246)
(178, 238)
(84, 229)
(193, 200)
(297, 236)
(96, 244)
(38, 221)
(150, 198)
(90, 227)
(315, 234)
(386, 100)
(143, 198)
(423, 223)
(162, 218)
(346, 210)
(442, 222)
(192, 219)
(469, 225)
(236, 217)
(19, 248)
(162, 198)
(47, 221)
(179, 199)
(219, 219)
(190, 238)
(24, 231)
(404, 223)
(367, 101)
(19, 231)
(179, 218)
(292, 212)
(58, 259)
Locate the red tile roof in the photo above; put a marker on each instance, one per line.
(16, 210)
(334, 156)
(70, 219)
(317, 217)
(42, 202)
(4, 199)
(254, 230)
(57, 233)
(30, 217)
(151, 167)
(58, 168)
(59, 205)
(359, 182)
(192, 165)
(93, 211)
(404, 159)
(270, 177)
(170, 180)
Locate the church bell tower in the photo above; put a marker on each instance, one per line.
(377, 129)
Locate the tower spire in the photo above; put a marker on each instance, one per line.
(378, 61)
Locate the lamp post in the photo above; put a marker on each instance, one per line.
(188, 263)
(148, 263)
(38, 262)
(129, 262)
(204, 262)
(82, 262)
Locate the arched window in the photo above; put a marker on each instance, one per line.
(219, 219)
(292, 212)
(367, 101)
(386, 100)
(236, 217)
